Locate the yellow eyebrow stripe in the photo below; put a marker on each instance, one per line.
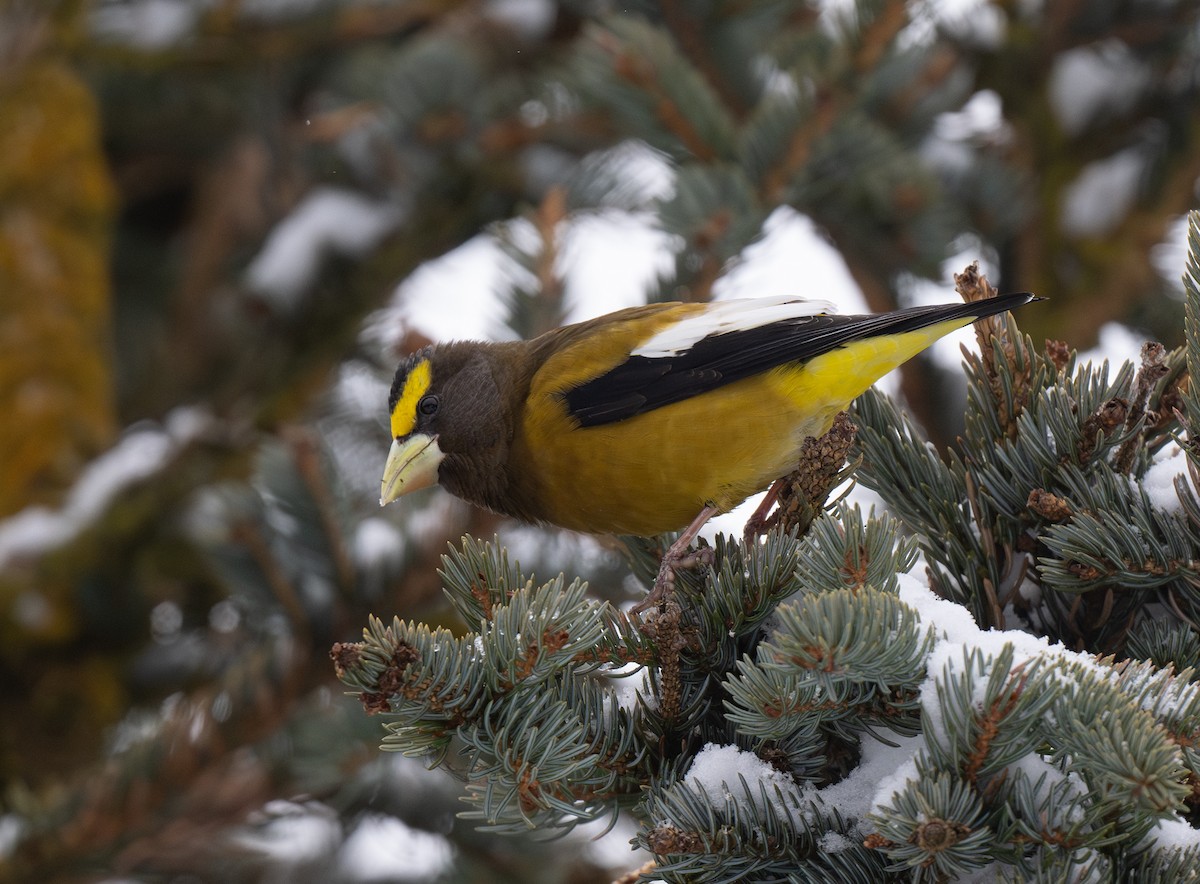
(416, 385)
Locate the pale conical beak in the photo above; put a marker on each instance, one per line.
(412, 464)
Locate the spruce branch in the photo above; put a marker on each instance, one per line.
(534, 286)
(480, 578)
(878, 36)
(1133, 771)
(802, 494)
(545, 744)
(1166, 644)
(841, 549)
(715, 209)
(937, 827)
(834, 656)
(988, 712)
(1160, 864)
(749, 831)
(637, 71)
(779, 142)
(1191, 327)
(686, 28)
(1050, 469)
(1039, 760)
(1149, 549)
(553, 759)
(799, 653)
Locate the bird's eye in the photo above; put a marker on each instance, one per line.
(428, 405)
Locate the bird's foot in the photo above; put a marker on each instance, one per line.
(760, 520)
(664, 584)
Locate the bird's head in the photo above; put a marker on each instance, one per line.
(449, 422)
(413, 404)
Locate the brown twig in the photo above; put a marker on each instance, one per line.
(307, 457)
(991, 333)
(638, 72)
(803, 492)
(684, 25)
(1153, 368)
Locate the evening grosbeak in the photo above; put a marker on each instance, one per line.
(649, 419)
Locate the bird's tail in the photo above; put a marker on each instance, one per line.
(914, 318)
(851, 352)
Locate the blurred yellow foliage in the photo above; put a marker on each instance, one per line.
(56, 208)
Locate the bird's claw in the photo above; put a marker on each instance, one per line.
(664, 584)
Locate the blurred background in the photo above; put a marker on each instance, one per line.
(222, 222)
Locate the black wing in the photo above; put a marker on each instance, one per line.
(642, 383)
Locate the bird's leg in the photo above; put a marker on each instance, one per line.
(757, 523)
(678, 556)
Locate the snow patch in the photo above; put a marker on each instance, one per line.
(149, 25)
(144, 450)
(882, 767)
(1173, 834)
(1159, 481)
(1102, 79)
(528, 19)
(1115, 342)
(290, 833)
(792, 248)
(1102, 194)
(383, 848)
(715, 772)
(327, 220)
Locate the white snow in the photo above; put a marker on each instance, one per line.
(1174, 834)
(885, 770)
(611, 850)
(150, 25)
(715, 772)
(792, 258)
(1102, 194)
(166, 620)
(11, 827)
(1159, 480)
(377, 544)
(449, 298)
(1169, 257)
(1089, 81)
(529, 19)
(327, 219)
(383, 848)
(981, 114)
(1115, 342)
(360, 394)
(973, 21)
(291, 833)
(378, 553)
(144, 450)
(951, 622)
(834, 842)
(882, 768)
(629, 682)
(1035, 769)
(609, 260)
(224, 617)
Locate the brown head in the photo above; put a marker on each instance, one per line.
(452, 410)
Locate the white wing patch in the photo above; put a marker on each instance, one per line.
(727, 316)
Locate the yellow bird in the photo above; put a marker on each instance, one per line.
(649, 419)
